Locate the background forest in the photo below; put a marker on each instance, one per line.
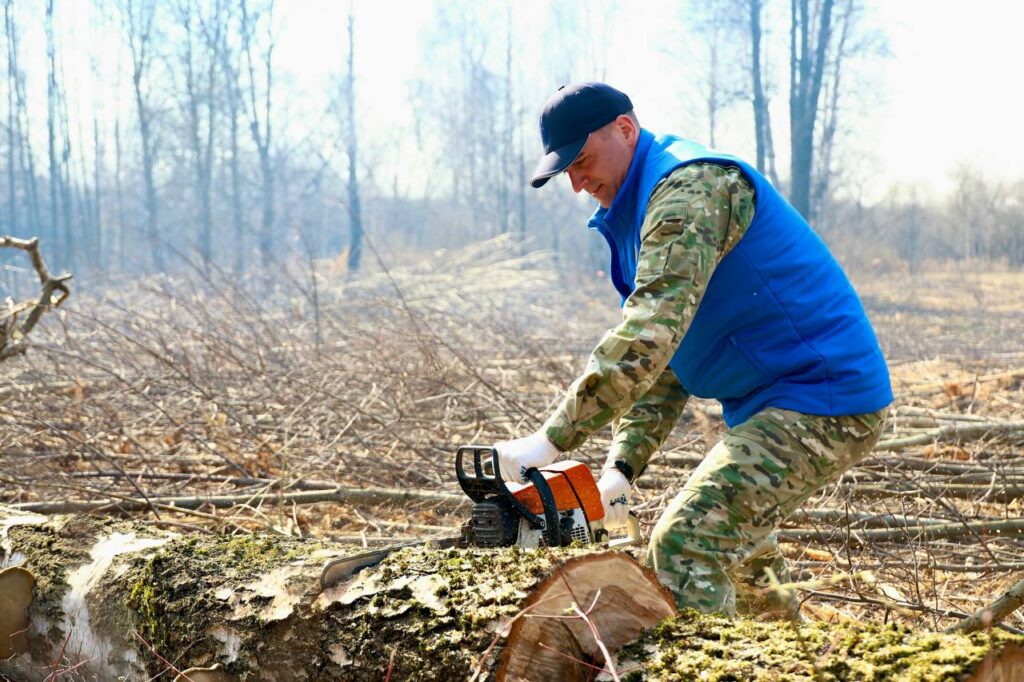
(141, 136)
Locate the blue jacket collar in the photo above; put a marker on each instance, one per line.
(624, 204)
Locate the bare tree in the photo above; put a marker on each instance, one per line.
(260, 113)
(12, 118)
(205, 33)
(51, 123)
(852, 39)
(719, 29)
(809, 35)
(762, 118)
(230, 58)
(26, 162)
(139, 17)
(122, 240)
(355, 213)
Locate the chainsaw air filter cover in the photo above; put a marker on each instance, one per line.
(493, 523)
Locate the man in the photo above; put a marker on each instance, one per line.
(726, 293)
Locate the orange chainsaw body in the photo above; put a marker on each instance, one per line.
(572, 486)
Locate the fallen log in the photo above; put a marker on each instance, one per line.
(114, 599)
(949, 530)
(336, 494)
(954, 433)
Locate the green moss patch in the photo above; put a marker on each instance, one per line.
(696, 646)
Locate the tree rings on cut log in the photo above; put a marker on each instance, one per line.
(551, 642)
(16, 586)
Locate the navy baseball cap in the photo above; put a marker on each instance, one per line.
(568, 118)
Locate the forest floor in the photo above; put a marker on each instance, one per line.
(185, 386)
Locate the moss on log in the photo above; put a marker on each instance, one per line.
(695, 646)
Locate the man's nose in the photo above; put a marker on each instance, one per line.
(577, 179)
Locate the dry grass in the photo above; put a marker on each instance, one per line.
(183, 386)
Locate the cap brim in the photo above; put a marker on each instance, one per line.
(556, 161)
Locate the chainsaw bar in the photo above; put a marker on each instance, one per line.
(337, 570)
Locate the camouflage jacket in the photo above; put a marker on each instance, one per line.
(694, 218)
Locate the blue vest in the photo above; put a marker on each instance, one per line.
(779, 324)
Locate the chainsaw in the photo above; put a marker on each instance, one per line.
(558, 505)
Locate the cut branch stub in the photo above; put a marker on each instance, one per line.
(620, 598)
(15, 596)
(12, 337)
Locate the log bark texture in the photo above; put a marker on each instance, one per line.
(121, 600)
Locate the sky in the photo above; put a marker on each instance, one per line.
(947, 94)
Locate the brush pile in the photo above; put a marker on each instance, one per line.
(206, 405)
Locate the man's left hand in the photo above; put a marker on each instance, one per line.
(516, 456)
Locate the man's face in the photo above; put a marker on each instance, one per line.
(602, 164)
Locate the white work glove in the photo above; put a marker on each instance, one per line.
(516, 456)
(616, 492)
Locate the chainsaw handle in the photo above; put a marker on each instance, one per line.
(552, 528)
(482, 484)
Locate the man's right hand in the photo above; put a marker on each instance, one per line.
(615, 496)
(516, 456)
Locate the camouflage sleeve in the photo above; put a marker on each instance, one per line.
(694, 217)
(641, 431)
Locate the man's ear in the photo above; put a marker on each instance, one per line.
(627, 127)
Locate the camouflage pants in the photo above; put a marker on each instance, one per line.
(717, 536)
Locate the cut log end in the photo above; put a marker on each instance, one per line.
(551, 641)
(16, 586)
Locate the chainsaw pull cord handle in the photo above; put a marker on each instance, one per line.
(553, 530)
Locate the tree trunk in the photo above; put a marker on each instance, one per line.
(13, 134)
(233, 89)
(109, 594)
(355, 213)
(260, 125)
(140, 27)
(115, 598)
(51, 124)
(807, 65)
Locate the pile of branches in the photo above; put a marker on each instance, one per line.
(310, 404)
